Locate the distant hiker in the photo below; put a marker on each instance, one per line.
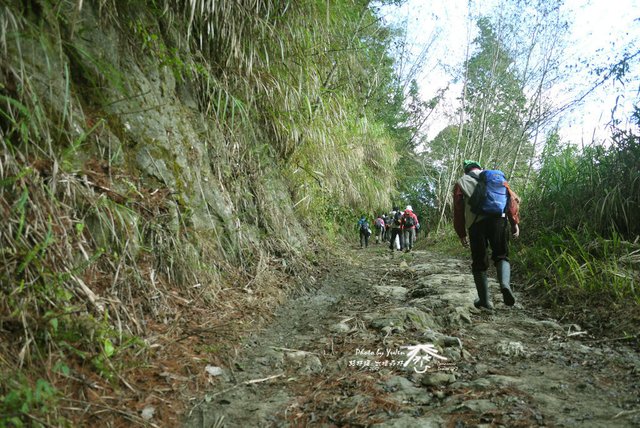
(396, 229)
(409, 224)
(365, 231)
(483, 208)
(379, 225)
(385, 219)
(388, 219)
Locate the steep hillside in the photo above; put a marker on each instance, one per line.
(165, 159)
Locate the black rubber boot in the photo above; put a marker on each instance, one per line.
(482, 286)
(504, 278)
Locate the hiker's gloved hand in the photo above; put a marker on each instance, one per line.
(515, 230)
(464, 241)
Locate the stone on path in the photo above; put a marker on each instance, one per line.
(305, 362)
(437, 379)
(396, 293)
(340, 328)
(477, 406)
(405, 318)
(429, 421)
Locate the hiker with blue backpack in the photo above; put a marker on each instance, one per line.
(365, 231)
(484, 207)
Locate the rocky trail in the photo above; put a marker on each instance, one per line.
(394, 341)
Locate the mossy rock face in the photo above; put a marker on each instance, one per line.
(149, 160)
(131, 109)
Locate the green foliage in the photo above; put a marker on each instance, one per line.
(574, 265)
(445, 241)
(582, 221)
(496, 103)
(21, 402)
(96, 71)
(491, 81)
(415, 172)
(598, 188)
(153, 44)
(417, 187)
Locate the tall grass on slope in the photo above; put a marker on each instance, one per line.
(73, 251)
(306, 71)
(598, 189)
(578, 266)
(581, 227)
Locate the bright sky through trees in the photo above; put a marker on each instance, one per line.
(598, 33)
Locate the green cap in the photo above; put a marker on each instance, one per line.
(469, 164)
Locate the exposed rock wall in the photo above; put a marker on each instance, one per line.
(94, 75)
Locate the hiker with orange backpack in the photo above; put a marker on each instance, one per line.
(484, 207)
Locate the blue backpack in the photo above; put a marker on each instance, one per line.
(490, 195)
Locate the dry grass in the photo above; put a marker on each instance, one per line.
(110, 294)
(72, 297)
(355, 399)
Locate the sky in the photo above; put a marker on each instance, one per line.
(598, 31)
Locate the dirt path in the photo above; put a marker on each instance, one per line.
(338, 357)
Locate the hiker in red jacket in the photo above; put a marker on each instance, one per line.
(409, 225)
(478, 230)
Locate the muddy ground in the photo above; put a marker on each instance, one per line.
(393, 340)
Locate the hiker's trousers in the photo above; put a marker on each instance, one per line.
(379, 234)
(364, 238)
(489, 232)
(387, 233)
(392, 240)
(409, 236)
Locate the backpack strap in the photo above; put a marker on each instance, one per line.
(476, 177)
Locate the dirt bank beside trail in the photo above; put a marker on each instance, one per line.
(350, 353)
